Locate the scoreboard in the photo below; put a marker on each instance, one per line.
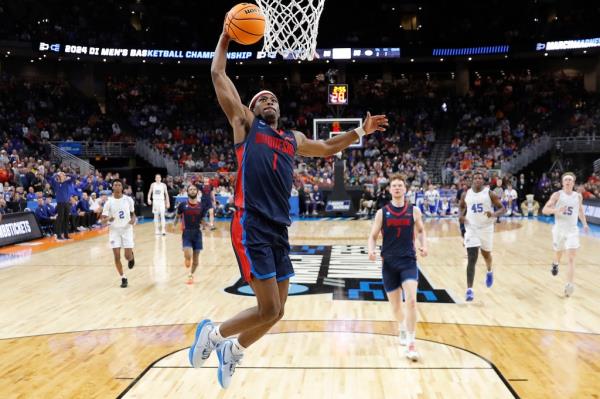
(337, 94)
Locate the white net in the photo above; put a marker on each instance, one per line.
(291, 27)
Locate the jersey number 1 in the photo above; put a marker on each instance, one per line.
(275, 161)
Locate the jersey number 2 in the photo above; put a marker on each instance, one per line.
(121, 215)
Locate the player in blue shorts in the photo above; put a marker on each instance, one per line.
(399, 222)
(191, 213)
(208, 201)
(265, 155)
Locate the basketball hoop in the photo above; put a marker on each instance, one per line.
(291, 27)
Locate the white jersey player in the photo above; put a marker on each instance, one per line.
(432, 201)
(567, 206)
(411, 196)
(477, 204)
(119, 212)
(509, 200)
(158, 197)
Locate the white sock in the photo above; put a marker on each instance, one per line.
(402, 325)
(237, 348)
(410, 336)
(215, 335)
(123, 276)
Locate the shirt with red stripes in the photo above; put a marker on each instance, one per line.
(265, 172)
(398, 231)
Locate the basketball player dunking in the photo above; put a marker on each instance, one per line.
(265, 156)
(566, 205)
(477, 203)
(158, 197)
(119, 211)
(399, 222)
(192, 213)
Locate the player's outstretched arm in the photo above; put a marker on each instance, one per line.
(229, 99)
(550, 207)
(326, 148)
(375, 230)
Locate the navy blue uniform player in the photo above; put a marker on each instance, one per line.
(399, 222)
(265, 156)
(191, 213)
(208, 201)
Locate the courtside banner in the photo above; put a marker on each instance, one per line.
(18, 227)
(591, 209)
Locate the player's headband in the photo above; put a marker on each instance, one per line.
(257, 96)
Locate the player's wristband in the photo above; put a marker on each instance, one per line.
(360, 131)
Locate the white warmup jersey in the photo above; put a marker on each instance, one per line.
(510, 194)
(565, 233)
(432, 197)
(479, 229)
(411, 196)
(120, 230)
(159, 191)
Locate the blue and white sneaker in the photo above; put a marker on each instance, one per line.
(470, 295)
(227, 362)
(202, 346)
(489, 279)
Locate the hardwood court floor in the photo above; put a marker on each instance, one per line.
(67, 330)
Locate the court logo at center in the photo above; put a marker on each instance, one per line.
(344, 271)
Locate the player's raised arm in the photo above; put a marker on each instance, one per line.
(325, 148)
(375, 230)
(238, 114)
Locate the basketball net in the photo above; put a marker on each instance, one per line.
(291, 27)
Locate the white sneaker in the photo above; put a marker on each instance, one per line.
(227, 362)
(569, 288)
(403, 338)
(203, 345)
(411, 352)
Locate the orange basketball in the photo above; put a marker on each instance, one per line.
(245, 23)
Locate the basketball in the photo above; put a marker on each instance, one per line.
(245, 23)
